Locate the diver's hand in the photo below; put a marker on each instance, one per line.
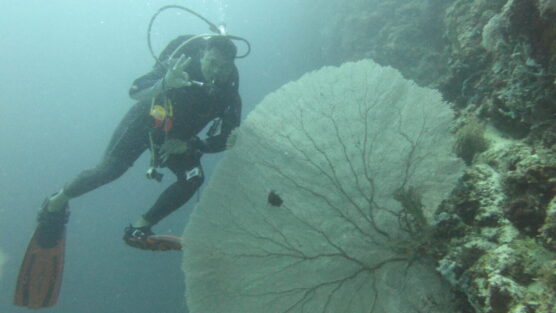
(176, 76)
(172, 146)
(177, 146)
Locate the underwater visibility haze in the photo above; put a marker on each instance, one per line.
(67, 69)
(393, 156)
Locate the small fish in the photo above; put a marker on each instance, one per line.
(274, 199)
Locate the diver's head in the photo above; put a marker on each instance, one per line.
(217, 60)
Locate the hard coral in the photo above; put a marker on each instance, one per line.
(532, 186)
(470, 140)
(548, 230)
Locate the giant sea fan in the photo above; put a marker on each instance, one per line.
(354, 159)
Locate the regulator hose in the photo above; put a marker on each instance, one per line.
(212, 27)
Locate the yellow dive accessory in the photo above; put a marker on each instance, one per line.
(163, 114)
(163, 118)
(158, 112)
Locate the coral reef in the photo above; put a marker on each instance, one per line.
(496, 57)
(502, 252)
(470, 139)
(513, 71)
(496, 61)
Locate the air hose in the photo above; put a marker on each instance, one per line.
(218, 32)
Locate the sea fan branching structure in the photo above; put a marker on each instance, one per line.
(324, 200)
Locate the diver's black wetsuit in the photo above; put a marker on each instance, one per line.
(194, 107)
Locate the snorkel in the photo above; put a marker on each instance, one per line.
(218, 31)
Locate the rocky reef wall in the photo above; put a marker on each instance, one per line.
(495, 60)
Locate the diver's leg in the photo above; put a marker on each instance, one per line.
(139, 235)
(190, 178)
(129, 141)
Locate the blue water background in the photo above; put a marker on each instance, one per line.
(66, 67)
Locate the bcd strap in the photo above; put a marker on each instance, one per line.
(215, 128)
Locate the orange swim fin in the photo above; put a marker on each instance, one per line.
(164, 242)
(144, 238)
(40, 275)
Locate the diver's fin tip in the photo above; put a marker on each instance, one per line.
(40, 274)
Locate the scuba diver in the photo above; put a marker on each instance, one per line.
(194, 83)
(199, 86)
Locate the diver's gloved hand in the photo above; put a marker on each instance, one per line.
(176, 76)
(177, 146)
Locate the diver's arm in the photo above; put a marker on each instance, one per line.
(147, 86)
(159, 80)
(230, 120)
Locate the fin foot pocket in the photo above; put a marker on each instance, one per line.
(143, 238)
